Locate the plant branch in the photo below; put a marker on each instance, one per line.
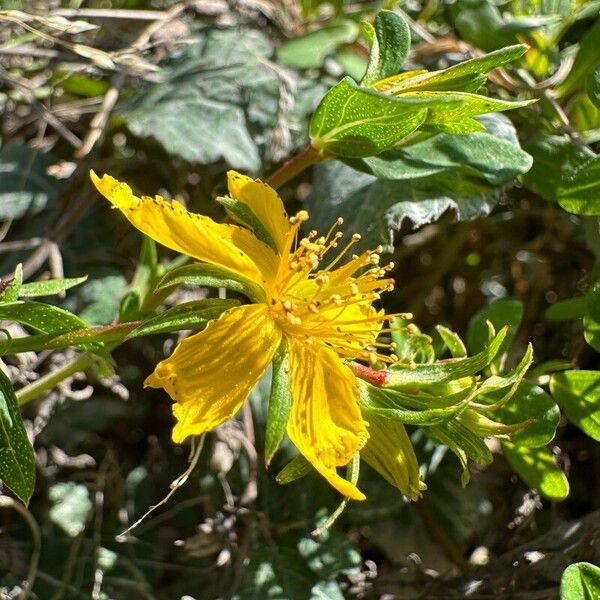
(309, 156)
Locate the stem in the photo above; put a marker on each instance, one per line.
(47, 382)
(309, 156)
(47, 341)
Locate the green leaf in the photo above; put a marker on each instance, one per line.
(580, 581)
(592, 301)
(26, 188)
(453, 342)
(554, 159)
(276, 572)
(217, 99)
(566, 310)
(592, 86)
(457, 107)
(494, 156)
(578, 394)
(308, 51)
(389, 39)
(50, 287)
(411, 344)
(588, 57)
(393, 405)
(580, 191)
(280, 402)
(243, 214)
(591, 332)
(189, 315)
(42, 317)
(530, 402)
(146, 270)
(537, 468)
(13, 290)
(17, 462)
(501, 312)
(355, 122)
(443, 173)
(467, 76)
(449, 370)
(296, 468)
(210, 276)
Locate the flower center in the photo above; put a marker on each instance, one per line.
(333, 304)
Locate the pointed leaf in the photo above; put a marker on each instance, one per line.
(389, 39)
(280, 402)
(209, 276)
(43, 317)
(17, 463)
(189, 315)
(50, 287)
(447, 370)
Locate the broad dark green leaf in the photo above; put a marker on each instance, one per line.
(418, 183)
(579, 193)
(277, 572)
(565, 310)
(50, 287)
(308, 51)
(280, 401)
(215, 94)
(42, 317)
(537, 468)
(209, 276)
(389, 38)
(530, 402)
(189, 315)
(17, 462)
(26, 188)
(580, 581)
(505, 311)
(554, 159)
(578, 394)
(494, 156)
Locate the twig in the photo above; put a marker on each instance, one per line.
(40, 108)
(175, 485)
(8, 502)
(110, 13)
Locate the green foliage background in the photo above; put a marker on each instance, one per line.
(499, 223)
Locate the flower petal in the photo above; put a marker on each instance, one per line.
(325, 423)
(210, 374)
(198, 236)
(264, 202)
(390, 452)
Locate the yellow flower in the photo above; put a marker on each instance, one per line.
(324, 314)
